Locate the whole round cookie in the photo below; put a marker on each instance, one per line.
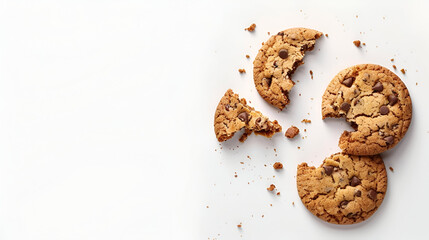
(276, 61)
(345, 189)
(376, 103)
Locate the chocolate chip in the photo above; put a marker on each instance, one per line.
(358, 193)
(244, 117)
(351, 215)
(268, 80)
(227, 106)
(258, 120)
(392, 99)
(372, 194)
(378, 87)
(384, 110)
(275, 64)
(280, 33)
(343, 204)
(348, 82)
(283, 53)
(328, 170)
(389, 140)
(355, 181)
(345, 106)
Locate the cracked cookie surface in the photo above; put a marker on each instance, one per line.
(276, 61)
(345, 189)
(376, 103)
(233, 114)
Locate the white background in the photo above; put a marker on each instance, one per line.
(106, 118)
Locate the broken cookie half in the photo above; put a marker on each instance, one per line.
(278, 59)
(233, 114)
(375, 102)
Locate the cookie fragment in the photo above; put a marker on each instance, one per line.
(277, 60)
(233, 114)
(375, 102)
(352, 191)
(251, 28)
(271, 187)
(278, 165)
(241, 70)
(292, 132)
(356, 43)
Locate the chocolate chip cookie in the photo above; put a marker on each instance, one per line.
(345, 189)
(278, 59)
(233, 114)
(375, 102)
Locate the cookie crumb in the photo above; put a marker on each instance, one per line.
(403, 71)
(305, 129)
(249, 157)
(278, 165)
(293, 204)
(269, 33)
(311, 74)
(326, 34)
(391, 169)
(247, 56)
(292, 132)
(241, 162)
(278, 193)
(262, 215)
(392, 60)
(306, 120)
(271, 204)
(239, 225)
(356, 43)
(394, 67)
(271, 188)
(251, 28)
(241, 70)
(299, 147)
(207, 206)
(235, 175)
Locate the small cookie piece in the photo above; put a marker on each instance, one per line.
(345, 189)
(376, 103)
(278, 59)
(251, 28)
(292, 132)
(233, 114)
(278, 165)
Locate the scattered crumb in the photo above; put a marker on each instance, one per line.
(417, 83)
(391, 169)
(392, 60)
(278, 193)
(357, 16)
(249, 157)
(269, 33)
(305, 130)
(299, 147)
(239, 225)
(271, 204)
(356, 43)
(292, 132)
(293, 204)
(278, 165)
(311, 74)
(271, 188)
(262, 215)
(326, 34)
(364, 44)
(306, 120)
(207, 206)
(403, 71)
(247, 56)
(394, 67)
(241, 70)
(241, 162)
(275, 150)
(300, 94)
(251, 28)
(235, 175)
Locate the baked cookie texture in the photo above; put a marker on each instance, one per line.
(278, 59)
(376, 103)
(233, 114)
(345, 189)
